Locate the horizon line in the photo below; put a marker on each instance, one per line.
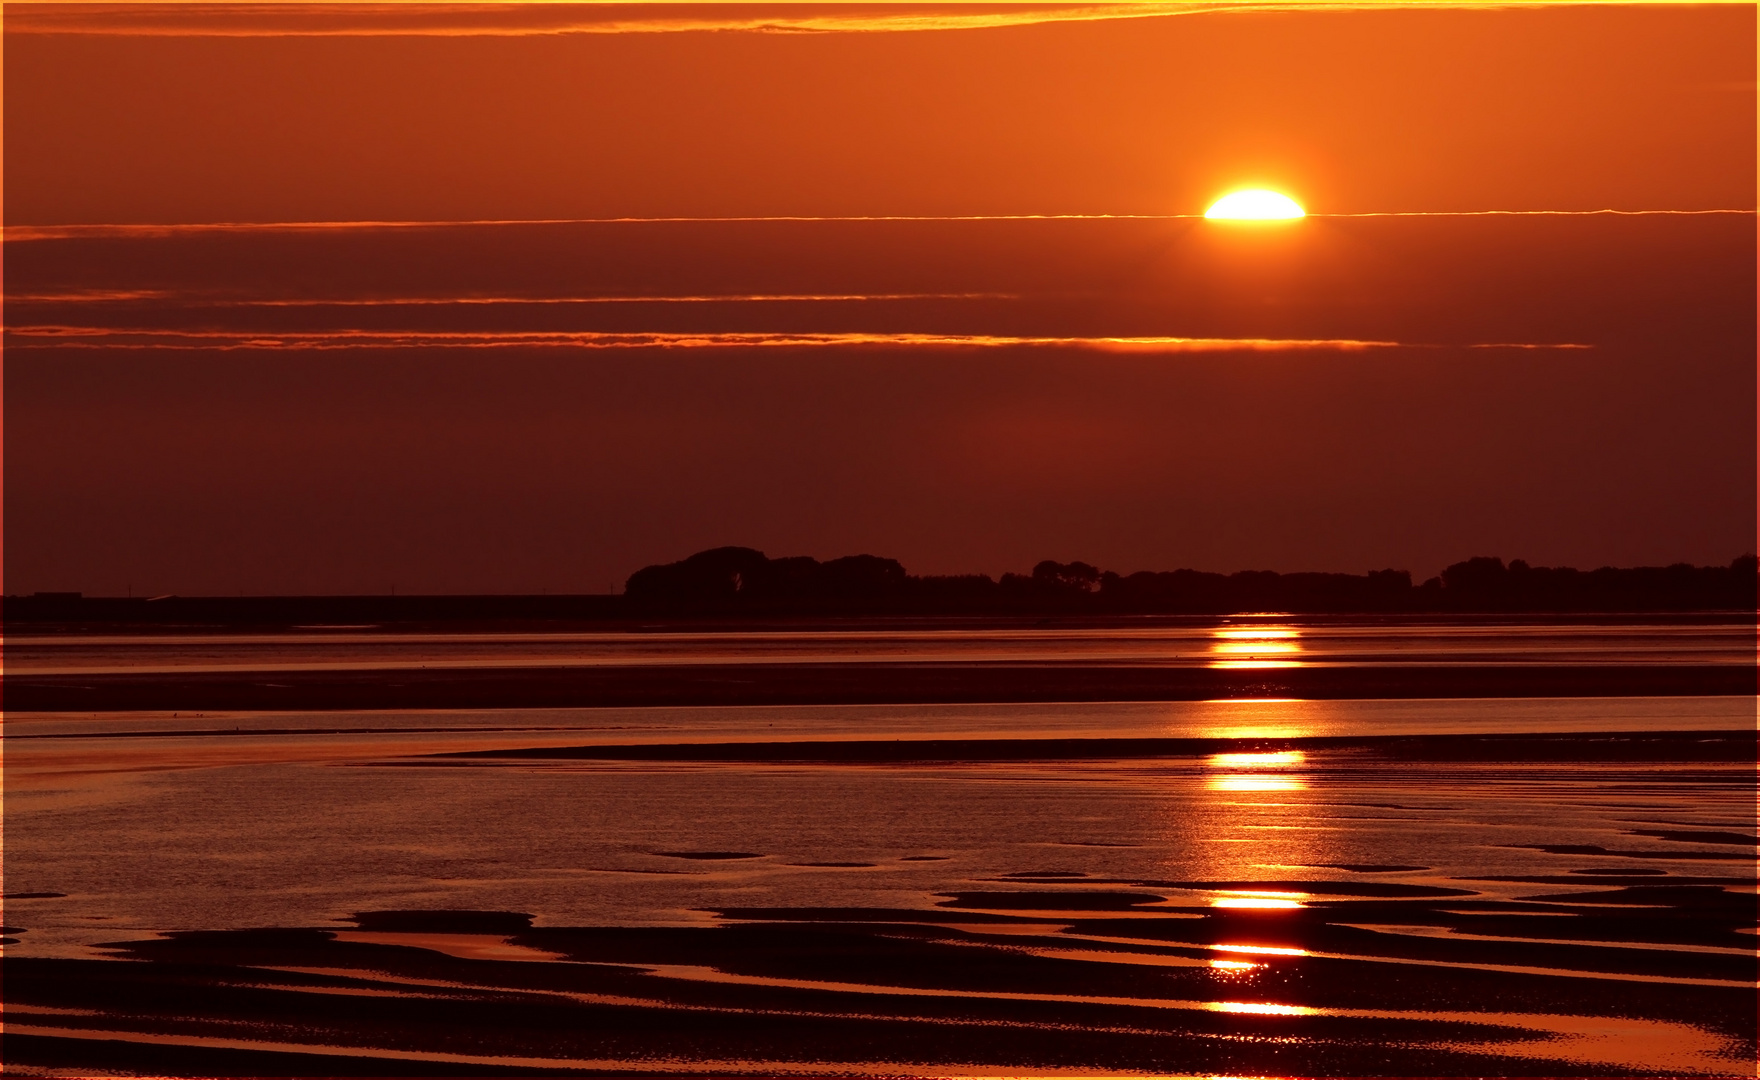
(26, 233)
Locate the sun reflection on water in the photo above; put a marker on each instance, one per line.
(1255, 647)
(1270, 950)
(1258, 761)
(1255, 783)
(1260, 899)
(1261, 1007)
(1265, 718)
(1249, 780)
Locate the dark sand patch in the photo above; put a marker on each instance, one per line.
(1646, 748)
(1315, 888)
(708, 856)
(1057, 901)
(1092, 843)
(1596, 849)
(139, 1057)
(875, 915)
(443, 921)
(848, 986)
(1702, 899)
(33, 896)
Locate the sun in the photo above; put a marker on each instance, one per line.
(1255, 204)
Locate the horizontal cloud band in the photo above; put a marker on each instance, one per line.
(524, 20)
(89, 337)
(103, 296)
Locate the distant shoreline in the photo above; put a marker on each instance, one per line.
(838, 684)
(736, 587)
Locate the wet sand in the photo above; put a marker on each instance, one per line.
(233, 858)
(1517, 904)
(1674, 746)
(1058, 974)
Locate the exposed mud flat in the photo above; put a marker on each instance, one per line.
(1367, 978)
(1232, 888)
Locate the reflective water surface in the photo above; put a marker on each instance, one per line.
(349, 891)
(1243, 642)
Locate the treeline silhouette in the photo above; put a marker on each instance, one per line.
(743, 580)
(737, 583)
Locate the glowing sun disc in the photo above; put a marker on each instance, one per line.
(1254, 205)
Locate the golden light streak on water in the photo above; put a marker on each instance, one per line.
(1265, 1008)
(1257, 761)
(1255, 783)
(1255, 647)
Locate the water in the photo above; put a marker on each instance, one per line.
(295, 829)
(1243, 642)
(1264, 905)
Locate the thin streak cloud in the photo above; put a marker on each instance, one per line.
(99, 338)
(25, 233)
(90, 296)
(124, 296)
(1531, 213)
(19, 233)
(560, 19)
(1523, 345)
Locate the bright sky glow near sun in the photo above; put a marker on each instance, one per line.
(1254, 204)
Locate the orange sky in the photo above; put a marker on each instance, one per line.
(1386, 110)
(271, 410)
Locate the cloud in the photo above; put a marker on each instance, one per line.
(101, 296)
(517, 20)
(24, 233)
(88, 337)
(318, 19)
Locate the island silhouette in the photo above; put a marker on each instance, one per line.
(742, 583)
(736, 579)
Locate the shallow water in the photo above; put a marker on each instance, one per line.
(1500, 915)
(208, 823)
(1241, 642)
